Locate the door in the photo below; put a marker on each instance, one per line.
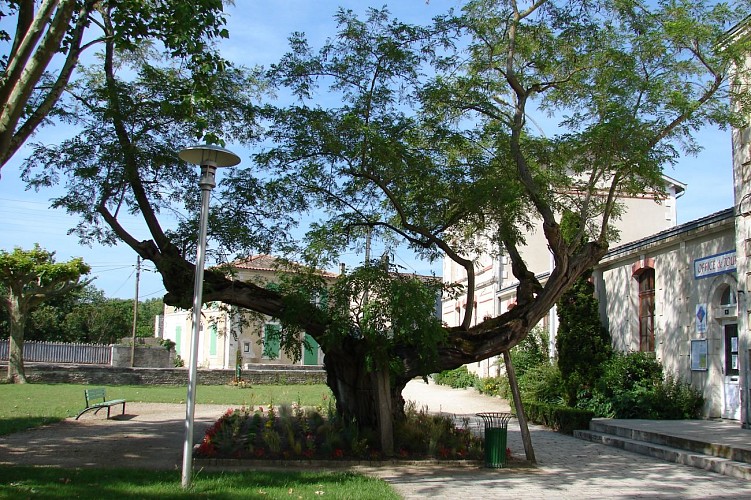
(310, 356)
(731, 389)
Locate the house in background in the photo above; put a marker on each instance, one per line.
(495, 288)
(224, 329)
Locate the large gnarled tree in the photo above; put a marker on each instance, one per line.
(419, 134)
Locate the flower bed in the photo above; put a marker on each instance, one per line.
(289, 432)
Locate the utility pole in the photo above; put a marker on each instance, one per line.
(135, 313)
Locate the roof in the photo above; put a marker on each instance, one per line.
(703, 222)
(265, 262)
(680, 187)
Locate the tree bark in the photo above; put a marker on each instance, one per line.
(16, 373)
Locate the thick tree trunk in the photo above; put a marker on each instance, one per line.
(363, 395)
(16, 372)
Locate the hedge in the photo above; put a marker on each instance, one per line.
(558, 417)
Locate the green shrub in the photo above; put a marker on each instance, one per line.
(531, 352)
(633, 386)
(458, 378)
(583, 344)
(558, 417)
(493, 386)
(676, 399)
(542, 383)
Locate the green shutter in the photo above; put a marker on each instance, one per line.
(178, 338)
(271, 341)
(212, 340)
(310, 356)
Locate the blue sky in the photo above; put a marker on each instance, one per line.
(258, 36)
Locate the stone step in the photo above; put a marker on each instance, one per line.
(707, 462)
(701, 446)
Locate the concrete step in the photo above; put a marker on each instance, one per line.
(702, 446)
(678, 455)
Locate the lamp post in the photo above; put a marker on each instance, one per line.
(209, 158)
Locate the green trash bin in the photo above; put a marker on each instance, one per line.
(496, 435)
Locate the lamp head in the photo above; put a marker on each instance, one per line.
(209, 155)
(209, 158)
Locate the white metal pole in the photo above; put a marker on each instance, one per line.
(207, 183)
(209, 157)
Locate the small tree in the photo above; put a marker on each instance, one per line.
(28, 278)
(582, 342)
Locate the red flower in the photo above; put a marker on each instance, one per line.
(338, 453)
(206, 449)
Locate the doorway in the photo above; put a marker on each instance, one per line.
(731, 390)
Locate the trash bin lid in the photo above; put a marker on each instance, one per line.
(495, 419)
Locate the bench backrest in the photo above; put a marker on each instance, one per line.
(92, 395)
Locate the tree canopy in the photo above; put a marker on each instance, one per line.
(50, 37)
(423, 134)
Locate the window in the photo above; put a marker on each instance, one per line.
(646, 280)
(728, 297)
(271, 340)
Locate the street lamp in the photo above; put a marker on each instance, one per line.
(209, 158)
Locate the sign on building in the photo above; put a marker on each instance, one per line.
(701, 318)
(714, 264)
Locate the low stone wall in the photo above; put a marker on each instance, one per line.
(108, 375)
(152, 357)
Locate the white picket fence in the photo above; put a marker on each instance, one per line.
(61, 352)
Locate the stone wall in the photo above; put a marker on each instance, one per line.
(108, 375)
(151, 357)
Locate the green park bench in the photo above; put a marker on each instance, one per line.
(92, 401)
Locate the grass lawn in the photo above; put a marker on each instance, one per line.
(47, 482)
(30, 405)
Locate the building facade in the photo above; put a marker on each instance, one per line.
(227, 337)
(675, 294)
(495, 288)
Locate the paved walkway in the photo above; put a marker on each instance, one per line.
(151, 437)
(567, 468)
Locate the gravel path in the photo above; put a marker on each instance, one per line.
(148, 436)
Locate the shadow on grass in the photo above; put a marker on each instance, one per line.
(45, 482)
(17, 424)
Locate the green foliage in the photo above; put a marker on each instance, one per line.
(633, 386)
(532, 367)
(494, 386)
(530, 352)
(458, 378)
(582, 342)
(542, 383)
(561, 418)
(385, 308)
(294, 432)
(87, 316)
(35, 272)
